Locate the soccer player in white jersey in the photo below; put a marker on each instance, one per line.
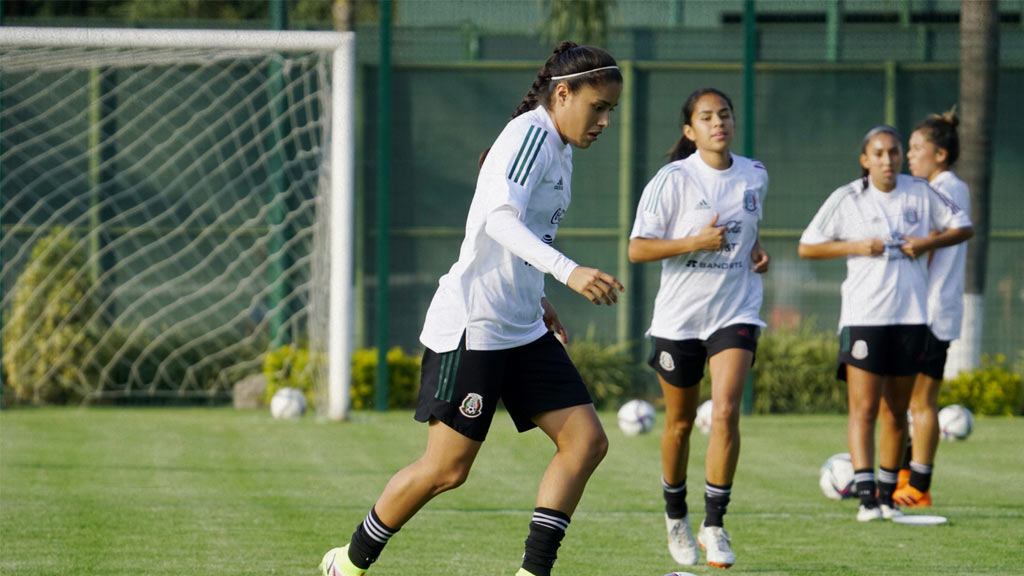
(882, 224)
(489, 331)
(699, 216)
(934, 147)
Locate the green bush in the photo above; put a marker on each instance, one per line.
(795, 372)
(403, 379)
(608, 371)
(47, 336)
(288, 367)
(992, 390)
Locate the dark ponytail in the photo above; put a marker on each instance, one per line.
(880, 129)
(940, 130)
(684, 147)
(567, 58)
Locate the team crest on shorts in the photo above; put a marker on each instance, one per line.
(666, 361)
(750, 200)
(472, 405)
(860, 350)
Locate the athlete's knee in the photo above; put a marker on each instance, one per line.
(446, 476)
(679, 430)
(589, 448)
(921, 405)
(725, 413)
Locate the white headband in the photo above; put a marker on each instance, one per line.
(567, 76)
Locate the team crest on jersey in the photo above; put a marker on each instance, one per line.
(560, 185)
(860, 350)
(750, 200)
(910, 215)
(472, 405)
(666, 361)
(557, 216)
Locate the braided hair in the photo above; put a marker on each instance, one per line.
(940, 130)
(567, 59)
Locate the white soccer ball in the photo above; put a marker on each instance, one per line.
(636, 417)
(287, 403)
(836, 477)
(955, 422)
(703, 419)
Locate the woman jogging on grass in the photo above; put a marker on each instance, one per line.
(490, 333)
(934, 147)
(699, 216)
(882, 223)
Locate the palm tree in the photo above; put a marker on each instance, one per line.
(979, 60)
(582, 21)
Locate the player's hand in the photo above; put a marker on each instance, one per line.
(760, 258)
(595, 285)
(868, 247)
(552, 322)
(914, 246)
(711, 237)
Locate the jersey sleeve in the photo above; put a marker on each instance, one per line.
(514, 167)
(945, 213)
(760, 175)
(659, 204)
(826, 226)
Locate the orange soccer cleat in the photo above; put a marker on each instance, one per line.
(910, 497)
(903, 480)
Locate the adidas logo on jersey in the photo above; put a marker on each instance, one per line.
(703, 205)
(559, 185)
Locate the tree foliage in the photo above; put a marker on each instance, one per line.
(582, 21)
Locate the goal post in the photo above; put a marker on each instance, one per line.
(188, 196)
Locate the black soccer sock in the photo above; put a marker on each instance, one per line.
(675, 499)
(716, 500)
(864, 482)
(886, 484)
(920, 476)
(369, 540)
(546, 532)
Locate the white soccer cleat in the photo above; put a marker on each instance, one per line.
(889, 512)
(681, 544)
(715, 542)
(865, 514)
(336, 563)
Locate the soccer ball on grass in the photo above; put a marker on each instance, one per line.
(836, 477)
(955, 422)
(287, 403)
(636, 417)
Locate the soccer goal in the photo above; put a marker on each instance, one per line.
(176, 209)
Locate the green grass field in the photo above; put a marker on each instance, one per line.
(219, 492)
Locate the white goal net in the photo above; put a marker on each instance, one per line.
(176, 207)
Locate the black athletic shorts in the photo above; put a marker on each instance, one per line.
(896, 350)
(935, 350)
(681, 362)
(462, 387)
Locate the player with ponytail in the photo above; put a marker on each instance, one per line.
(490, 334)
(700, 217)
(882, 224)
(934, 147)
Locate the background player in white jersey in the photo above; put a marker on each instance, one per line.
(934, 147)
(488, 331)
(699, 215)
(882, 224)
